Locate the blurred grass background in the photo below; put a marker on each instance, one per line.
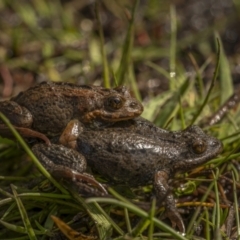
(59, 41)
(166, 52)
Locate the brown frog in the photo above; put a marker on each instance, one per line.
(136, 153)
(48, 107)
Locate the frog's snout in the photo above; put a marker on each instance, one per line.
(136, 106)
(216, 144)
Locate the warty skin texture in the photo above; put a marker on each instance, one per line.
(48, 107)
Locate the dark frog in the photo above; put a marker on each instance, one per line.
(134, 155)
(48, 107)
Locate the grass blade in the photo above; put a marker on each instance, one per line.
(172, 59)
(128, 223)
(151, 216)
(103, 225)
(172, 105)
(224, 74)
(139, 212)
(236, 205)
(127, 48)
(212, 84)
(217, 219)
(24, 215)
(106, 79)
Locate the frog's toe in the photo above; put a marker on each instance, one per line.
(82, 181)
(176, 220)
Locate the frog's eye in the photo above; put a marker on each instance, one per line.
(199, 147)
(114, 103)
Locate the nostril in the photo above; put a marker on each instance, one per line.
(215, 143)
(133, 105)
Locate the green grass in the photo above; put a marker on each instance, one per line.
(56, 41)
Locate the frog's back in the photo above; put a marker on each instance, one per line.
(51, 89)
(53, 105)
(124, 156)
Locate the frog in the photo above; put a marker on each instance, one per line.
(135, 153)
(48, 107)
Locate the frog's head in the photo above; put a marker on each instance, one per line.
(110, 105)
(199, 148)
(120, 105)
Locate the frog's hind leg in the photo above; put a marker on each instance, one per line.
(24, 132)
(21, 119)
(80, 180)
(19, 116)
(67, 164)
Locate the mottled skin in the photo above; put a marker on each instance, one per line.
(48, 107)
(138, 153)
(134, 158)
(66, 163)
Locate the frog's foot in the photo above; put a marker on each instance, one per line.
(24, 132)
(80, 180)
(70, 134)
(18, 115)
(162, 191)
(175, 218)
(65, 163)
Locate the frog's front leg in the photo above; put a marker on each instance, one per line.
(66, 163)
(19, 116)
(163, 193)
(71, 133)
